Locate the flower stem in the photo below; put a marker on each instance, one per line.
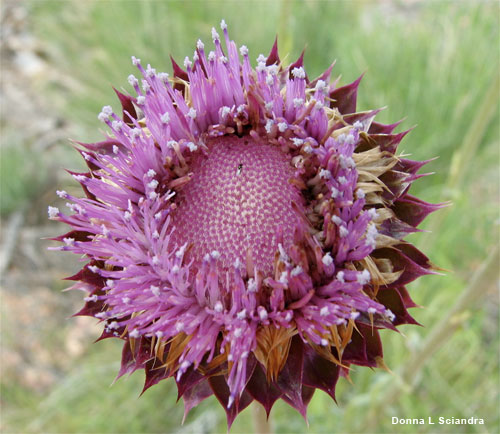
(261, 423)
(286, 36)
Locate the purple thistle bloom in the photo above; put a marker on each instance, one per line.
(245, 229)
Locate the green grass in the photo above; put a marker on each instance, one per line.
(434, 63)
(19, 179)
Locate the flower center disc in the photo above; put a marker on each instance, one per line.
(236, 202)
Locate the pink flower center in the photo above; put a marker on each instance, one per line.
(237, 201)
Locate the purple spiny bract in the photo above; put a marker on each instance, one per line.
(244, 229)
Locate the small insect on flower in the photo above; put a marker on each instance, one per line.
(262, 286)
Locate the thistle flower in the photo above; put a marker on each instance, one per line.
(244, 229)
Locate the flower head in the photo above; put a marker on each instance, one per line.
(244, 229)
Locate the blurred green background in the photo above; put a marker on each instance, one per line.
(436, 63)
